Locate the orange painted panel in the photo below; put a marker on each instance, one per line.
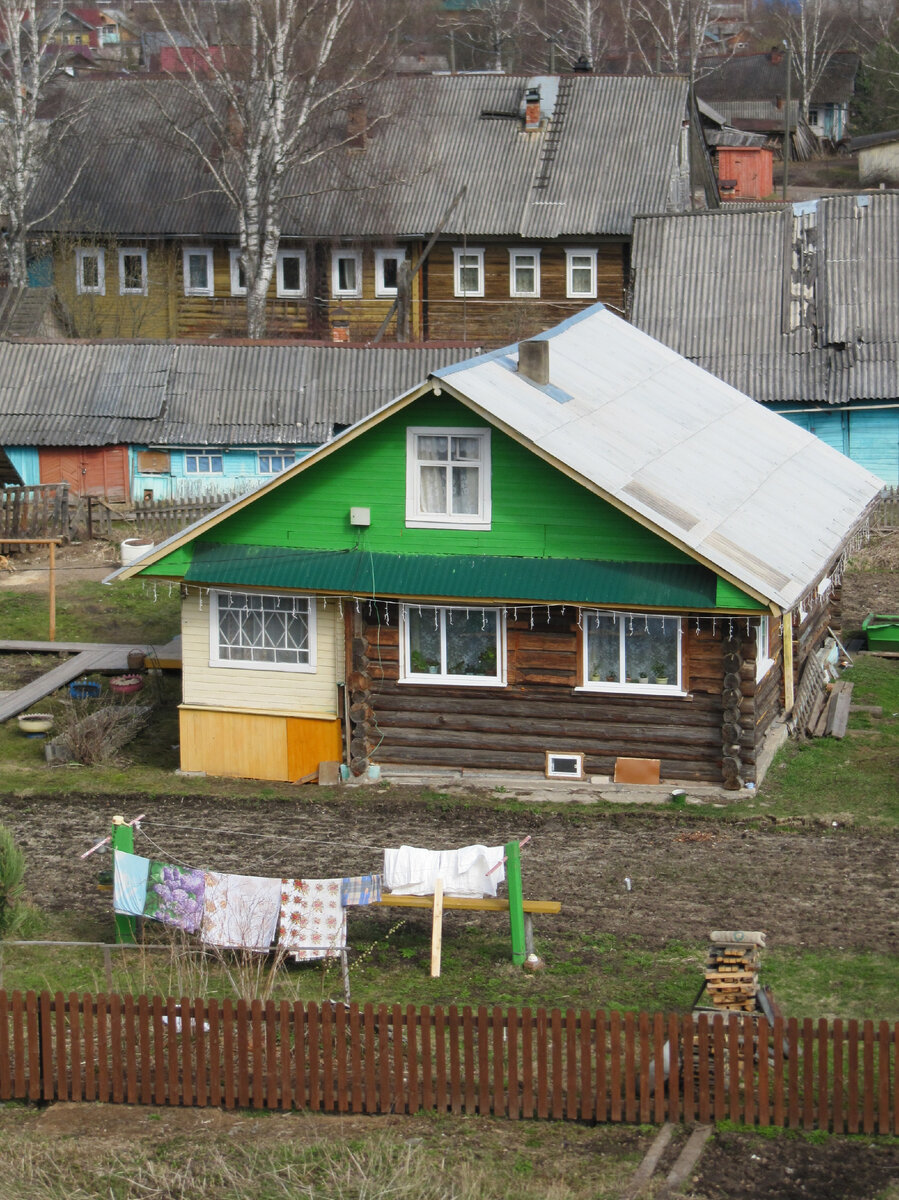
(256, 746)
(310, 742)
(637, 770)
(89, 471)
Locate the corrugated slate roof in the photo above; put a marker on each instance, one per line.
(481, 577)
(167, 394)
(713, 285)
(763, 77)
(608, 148)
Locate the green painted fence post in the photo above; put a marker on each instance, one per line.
(516, 902)
(123, 839)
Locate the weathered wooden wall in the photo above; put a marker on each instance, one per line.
(540, 709)
(496, 318)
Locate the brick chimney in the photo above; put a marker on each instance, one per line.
(532, 108)
(356, 125)
(533, 361)
(775, 56)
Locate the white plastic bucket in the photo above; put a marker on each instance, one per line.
(134, 548)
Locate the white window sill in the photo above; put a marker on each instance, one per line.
(446, 523)
(247, 665)
(453, 680)
(634, 689)
(762, 668)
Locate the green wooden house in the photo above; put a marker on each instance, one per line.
(568, 551)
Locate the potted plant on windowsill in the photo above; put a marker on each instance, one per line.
(660, 671)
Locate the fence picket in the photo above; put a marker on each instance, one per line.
(399, 1087)
(371, 1095)
(115, 1045)
(499, 1073)
(868, 1045)
(883, 1076)
(601, 1106)
(412, 1104)
(630, 1074)
(383, 1060)
(587, 1105)
(103, 1052)
(314, 1043)
(615, 1065)
(527, 1063)
(427, 1062)
(468, 1050)
(343, 1102)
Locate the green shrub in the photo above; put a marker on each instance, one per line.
(12, 871)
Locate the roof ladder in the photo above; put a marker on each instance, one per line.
(553, 134)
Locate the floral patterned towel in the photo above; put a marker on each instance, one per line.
(241, 911)
(313, 921)
(175, 896)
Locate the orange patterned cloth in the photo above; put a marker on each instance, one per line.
(312, 923)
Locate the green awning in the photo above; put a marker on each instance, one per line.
(454, 577)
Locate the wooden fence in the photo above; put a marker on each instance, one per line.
(162, 518)
(585, 1066)
(886, 515)
(40, 512)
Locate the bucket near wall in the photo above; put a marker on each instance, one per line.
(133, 548)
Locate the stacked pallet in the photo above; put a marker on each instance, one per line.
(732, 969)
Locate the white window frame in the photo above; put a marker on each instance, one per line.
(99, 254)
(460, 253)
(209, 290)
(571, 254)
(204, 454)
(442, 677)
(216, 658)
(381, 288)
(133, 252)
(237, 289)
(673, 688)
(281, 290)
(763, 662)
(522, 252)
(415, 518)
(336, 256)
(261, 454)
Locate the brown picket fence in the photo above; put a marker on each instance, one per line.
(585, 1066)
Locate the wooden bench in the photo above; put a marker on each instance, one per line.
(476, 904)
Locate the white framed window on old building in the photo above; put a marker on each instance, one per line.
(132, 271)
(624, 651)
(203, 462)
(387, 271)
(448, 478)
(468, 271)
(524, 272)
(290, 279)
(198, 277)
(580, 274)
(346, 272)
(464, 645)
(271, 462)
(256, 630)
(238, 275)
(90, 274)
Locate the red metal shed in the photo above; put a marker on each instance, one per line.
(745, 172)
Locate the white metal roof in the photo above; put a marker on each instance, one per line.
(755, 496)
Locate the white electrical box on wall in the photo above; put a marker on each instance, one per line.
(360, 516)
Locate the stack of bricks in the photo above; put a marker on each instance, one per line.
(732, 969)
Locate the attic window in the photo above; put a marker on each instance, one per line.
(447, 478)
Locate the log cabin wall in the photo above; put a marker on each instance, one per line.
(497, 319)
(511, 728)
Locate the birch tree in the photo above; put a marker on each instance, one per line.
(577, 27)
(261, 96)
(813, 33)
(32, 129)
(669, 34)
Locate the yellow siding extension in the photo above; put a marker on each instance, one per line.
(253, 746)
(259, 724)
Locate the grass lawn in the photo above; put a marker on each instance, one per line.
(853, 780)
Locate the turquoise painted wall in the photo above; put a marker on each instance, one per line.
(26, 461)
(537, 511)
(869, 436)
(239, 473)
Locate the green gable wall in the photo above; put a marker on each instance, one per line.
(537, 512)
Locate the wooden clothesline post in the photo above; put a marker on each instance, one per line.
(52, 543)
(123, 839)
(516, 902)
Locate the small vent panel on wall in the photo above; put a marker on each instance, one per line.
(562, 765)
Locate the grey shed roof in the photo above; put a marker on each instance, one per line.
(168, 394)
(609, 147)
(796, 304)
